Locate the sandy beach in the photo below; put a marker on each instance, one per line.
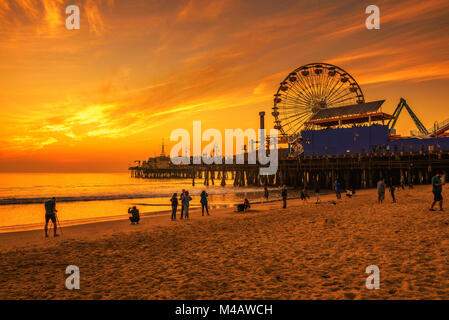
(306, 251)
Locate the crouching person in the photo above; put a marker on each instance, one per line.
(244, 206)
(135, 215)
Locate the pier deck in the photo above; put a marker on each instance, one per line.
(355, 171)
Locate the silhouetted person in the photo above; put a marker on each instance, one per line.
(186, 203)
(304, 195)
(50, 214)
(317, 193)
(203, 201)
(284, 196)
(337, 186)
(135, 215)
(265, 193)
(244, 206)
(381, 190)
(174, 205)
(437, 189)
(392, 192)
(182, 202)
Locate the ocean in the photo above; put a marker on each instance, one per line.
(91, 197)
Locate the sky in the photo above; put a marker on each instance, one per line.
(97, 98)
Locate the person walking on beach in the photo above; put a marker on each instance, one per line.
(392, 190)
(265, 193)
(284, 196)
(135, 215)
(337, 186)
(174, 206)
(317, 194)
(50, 214)
(402, 182)
(437, 188)
(181, 197)
(381, 190)
(203, 201)
(304, 195)
(186, 203)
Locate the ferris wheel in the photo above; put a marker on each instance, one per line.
(309, 89)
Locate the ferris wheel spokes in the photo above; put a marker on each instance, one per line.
(311, 88)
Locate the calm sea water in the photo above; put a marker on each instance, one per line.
(83, 198)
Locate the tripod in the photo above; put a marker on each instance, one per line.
(55, 224)
(58, 223)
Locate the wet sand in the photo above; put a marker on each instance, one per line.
(306, 251)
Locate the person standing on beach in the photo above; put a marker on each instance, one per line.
(203, 201)
(317, 194)
(186, 203)
(182, 202)
(402, 182)
(174, 206)
(437, 189)
(392, 190)
(337, 186)
(50, 214)
(381, 190)
(265, 193)
(284, 196)
(303, 195)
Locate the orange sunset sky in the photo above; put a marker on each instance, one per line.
(97, 98)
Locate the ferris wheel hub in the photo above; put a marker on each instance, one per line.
(318, 105)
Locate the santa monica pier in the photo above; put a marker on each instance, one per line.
(328, 132)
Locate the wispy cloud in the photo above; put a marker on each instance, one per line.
(30, 143)
(133, 72)
(203, 10)
(47, 17)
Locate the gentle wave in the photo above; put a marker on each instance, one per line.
(80, 198)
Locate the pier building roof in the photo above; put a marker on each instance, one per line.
(351, 114)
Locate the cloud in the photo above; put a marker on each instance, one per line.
(47, 17)
(137, 69)
(53, 13)
(203, 10)
(29, 143)
(398, 13)
(94, 17)
(4, 9)
(422, 72)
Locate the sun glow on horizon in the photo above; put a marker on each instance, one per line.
(97, 98)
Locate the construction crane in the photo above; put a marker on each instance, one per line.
(397, 112)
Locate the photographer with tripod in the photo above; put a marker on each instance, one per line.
(50, 214)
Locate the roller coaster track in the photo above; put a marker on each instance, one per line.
(439, 128)
(402, 103)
